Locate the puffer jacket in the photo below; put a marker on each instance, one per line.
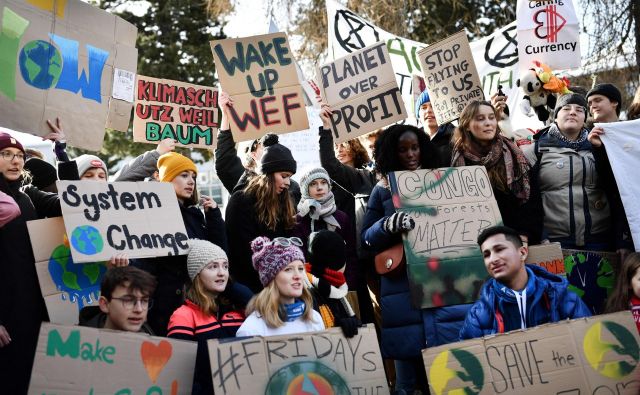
(573, 185)
(405, 330)
(548, 300)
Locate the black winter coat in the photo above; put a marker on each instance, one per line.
(242, 227)
(22, 307)
(171, 271)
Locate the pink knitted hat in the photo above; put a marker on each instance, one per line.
(268, 259)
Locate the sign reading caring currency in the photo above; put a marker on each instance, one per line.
(259, 73)
(451, 76)
(450, 206)
(141, 219)
(186, 113)
(362, 91)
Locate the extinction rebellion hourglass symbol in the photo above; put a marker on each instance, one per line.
(549, 24)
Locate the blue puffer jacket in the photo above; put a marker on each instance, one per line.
(405, 330)
(548, 300)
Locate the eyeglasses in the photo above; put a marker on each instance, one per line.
(129, 303)
(287, 241)
(8, 156)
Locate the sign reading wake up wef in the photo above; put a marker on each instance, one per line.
(57, 59)
(596, 355)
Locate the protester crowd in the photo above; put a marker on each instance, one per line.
(286, 255)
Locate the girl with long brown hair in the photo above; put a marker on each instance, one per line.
(263, 208)
(478, 141)
(626, 294)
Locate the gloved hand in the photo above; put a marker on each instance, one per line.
(399, 222)
(349, 326)
(334, 277)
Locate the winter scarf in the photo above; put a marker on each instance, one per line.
(320, 209)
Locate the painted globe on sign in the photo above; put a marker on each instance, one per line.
(87, 240)
(40, 64)
(79, 282)
(446, 379)
(611, 349)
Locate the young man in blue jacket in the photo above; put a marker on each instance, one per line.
(518, 295)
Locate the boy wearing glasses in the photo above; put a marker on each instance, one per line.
(125, 299)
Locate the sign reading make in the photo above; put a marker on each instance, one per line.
(450, 206)
(58, 59)
(451, 76)
(140, 219)
(549, 32)
(183, 112)
(259, 73)
(362, 91)
(73, 360)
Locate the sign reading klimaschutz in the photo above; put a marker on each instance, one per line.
(548, 31)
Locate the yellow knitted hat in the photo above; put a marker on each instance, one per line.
(172, 163)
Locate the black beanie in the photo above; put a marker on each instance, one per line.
(610, 92)
(43, 173)
(571, 98)
(327, 249)
(276, 157)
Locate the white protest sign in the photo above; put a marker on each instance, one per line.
(451, 76)
(141, 219)
(622, 141)
(549, 32)
(362, 91)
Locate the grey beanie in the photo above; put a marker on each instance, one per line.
(571, 98)
(312, 174)
(201, 252)
(86, 162)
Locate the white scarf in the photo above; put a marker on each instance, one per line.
(320, 209)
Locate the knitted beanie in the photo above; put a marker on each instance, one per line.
(423, 98)
(86, 162)
(269, 258)
(571, 98)
(610, 92)
(171, 164)
(327, 249)
(42, 172)
(312, 174)
(276, 157)
(201, 252)
(6, 141)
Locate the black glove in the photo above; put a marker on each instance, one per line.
(399, 222)
(349, 326)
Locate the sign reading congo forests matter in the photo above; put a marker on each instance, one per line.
(597, 355)
(58, 60)
(141, 219)
(260, 75)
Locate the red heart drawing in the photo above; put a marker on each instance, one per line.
(154, 358)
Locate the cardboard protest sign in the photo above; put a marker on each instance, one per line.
(450, 206)
(141, 219)
(258, 72)
(451, 76)
(362, 91)
(549, 256)
(591, 275)
(311, 363)
(622, 142)
(78, 360)
(597, 355)
(496, 59)
(187, 113)
(549, 32)
(58, 60)
(66, 286)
